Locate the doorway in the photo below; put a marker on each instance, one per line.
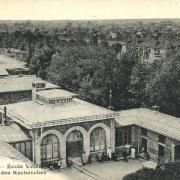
(177, 152)
(144, 144)
(74, 144)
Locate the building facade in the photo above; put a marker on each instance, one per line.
(150, 132)
(53, 125)
(60, 126)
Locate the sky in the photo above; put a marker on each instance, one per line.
(88, 9)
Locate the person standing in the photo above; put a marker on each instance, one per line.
(124, 152)
(133, 153)
(109, 153)
(84, 158)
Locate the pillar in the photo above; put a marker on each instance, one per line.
(35, 147)
(63, 152)
(112, 135)
(173, 152)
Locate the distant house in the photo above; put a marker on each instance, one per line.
(112, 35)
(3, 73)
(12, 65)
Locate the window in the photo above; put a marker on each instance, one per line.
(177, 152)
(143, 132)
(1, 117)
(161, 151)
(98, 139)
(123, 136)
(25, 148)
(75, 136)
(162, 139)
(49, 147)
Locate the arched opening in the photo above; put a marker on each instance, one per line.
(50, 148)
(74, 144)
(98, 139)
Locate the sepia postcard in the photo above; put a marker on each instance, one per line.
(90, 89)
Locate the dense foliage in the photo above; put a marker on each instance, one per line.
(171, 171)
(93, 70)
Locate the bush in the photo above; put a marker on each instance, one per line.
(170, 171)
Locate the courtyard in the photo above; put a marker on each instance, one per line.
(105, 170)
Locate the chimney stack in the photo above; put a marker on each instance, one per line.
(38, 85)
(5, 119)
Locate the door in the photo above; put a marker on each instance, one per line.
(74, 148)
(74, 144)
(161, 151)
(144, 144)
(177, 152)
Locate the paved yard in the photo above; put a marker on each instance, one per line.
(106, 170)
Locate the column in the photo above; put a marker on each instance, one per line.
(35, 147)
(63, 151)
(87, 144)
(112, 135)
(173, 152)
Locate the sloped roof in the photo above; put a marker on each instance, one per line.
(9, 153)
(32, 114)
(12, 133)
(153, 120)
(3, 72)
(21, 83)
(10, 63)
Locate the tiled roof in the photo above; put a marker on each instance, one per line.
(31, 113)
(153, 120)
(20, 83)
(12, 133)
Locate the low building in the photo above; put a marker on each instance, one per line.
(19, 88)
(153, 132)
(3, 73)
(60, 126)
(12, 65)
(48, 124)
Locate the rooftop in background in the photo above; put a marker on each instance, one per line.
(45, 115)
(12, 133)
(56, 93)
(21, 83)
(3, 72)
(152, 120)
(10, 63)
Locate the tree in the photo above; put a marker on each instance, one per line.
(164, 88)
(171, 171)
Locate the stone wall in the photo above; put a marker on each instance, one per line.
(62, 132)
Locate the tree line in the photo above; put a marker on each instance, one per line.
(93, 70)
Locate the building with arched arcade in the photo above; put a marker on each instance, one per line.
(56, 125)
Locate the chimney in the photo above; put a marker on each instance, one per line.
(155, 108)
(37, 86)
(5, 119)
(110, 100)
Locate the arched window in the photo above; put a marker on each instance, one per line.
(75, 136)
(49, 147)
(98, 139)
